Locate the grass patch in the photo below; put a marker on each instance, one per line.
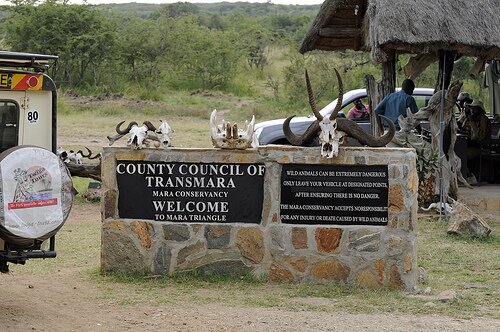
(467, 265)
(451, 262)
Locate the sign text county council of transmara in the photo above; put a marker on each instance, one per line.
(190, 192)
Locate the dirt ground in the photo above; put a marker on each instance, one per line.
(70, 301)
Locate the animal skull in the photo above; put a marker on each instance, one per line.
(342, 127)
(75, 157)
(330, 138)
(138, 135)
(225, 136)
(70, 156)
(165, 131)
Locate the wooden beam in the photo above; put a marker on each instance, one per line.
(333, 32)
(378, 90)
(446, 60)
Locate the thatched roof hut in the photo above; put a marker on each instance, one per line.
(407, 26)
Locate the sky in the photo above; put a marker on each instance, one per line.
(277, 2)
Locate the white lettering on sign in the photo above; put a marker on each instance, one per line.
(191, 192)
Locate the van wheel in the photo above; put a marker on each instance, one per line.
(37, 194)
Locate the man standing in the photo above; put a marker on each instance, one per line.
(396, 103)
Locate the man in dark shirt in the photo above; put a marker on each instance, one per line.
(396, 103)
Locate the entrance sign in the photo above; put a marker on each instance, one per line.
(190, 192)
(333, 194)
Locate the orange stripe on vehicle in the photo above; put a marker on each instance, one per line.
(27, 82)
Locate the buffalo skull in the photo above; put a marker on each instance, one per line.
(331, 130)
(138, 135)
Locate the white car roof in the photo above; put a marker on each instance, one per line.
(351, 95)
(348, 97)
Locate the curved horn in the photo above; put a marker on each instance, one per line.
(149, 125)
(124, 132)
(340, 98)
(308, 135)
(354, 130)
(85, 155)
(312, 102)
(97, 156)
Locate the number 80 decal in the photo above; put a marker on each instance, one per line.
(32, 116)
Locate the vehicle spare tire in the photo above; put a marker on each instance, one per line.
(36, 195)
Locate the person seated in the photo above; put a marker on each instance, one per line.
(463, 99)
(478, 128)
(359, 110)
(478, 123)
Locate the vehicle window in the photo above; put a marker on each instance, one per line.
(349, 106)
(421, 100)
(9, 115)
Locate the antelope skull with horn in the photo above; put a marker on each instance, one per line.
(227, 136)
(331, 129)
(138, 135)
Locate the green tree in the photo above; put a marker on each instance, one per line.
(178, 9)
(80, 35)
(199, 57)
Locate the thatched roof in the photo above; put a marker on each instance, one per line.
(469, 27)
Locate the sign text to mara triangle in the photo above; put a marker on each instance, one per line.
(190, 192)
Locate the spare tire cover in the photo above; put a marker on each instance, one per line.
(36, 195)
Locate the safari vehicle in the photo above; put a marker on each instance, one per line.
(35, 195)
(271, 132)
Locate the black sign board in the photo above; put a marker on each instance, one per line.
(334, 194)
(190, 192)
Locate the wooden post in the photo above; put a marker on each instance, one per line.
(446, 60)
(377, 91)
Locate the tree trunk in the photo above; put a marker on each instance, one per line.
(446, 59)
(378, 90)
(85, 171)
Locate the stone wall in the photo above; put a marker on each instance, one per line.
(367, 256)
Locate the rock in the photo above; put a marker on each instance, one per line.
(364, 240)
(423, 277)
(217, 236)
(251, 243)
(465, 222)
(299, 263)
(193, 249)
(395, 280)
(141, 230)
(422, 291)
(330, 269)
(379, 265)
(232, 268)
(367, 279)
(396, 197)
(277, 273)
(162, 260)
(299, 238)
(177, 233)
(395, 245)
(328, 239)
(119, 253)
(447, 296)
(430, 305)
